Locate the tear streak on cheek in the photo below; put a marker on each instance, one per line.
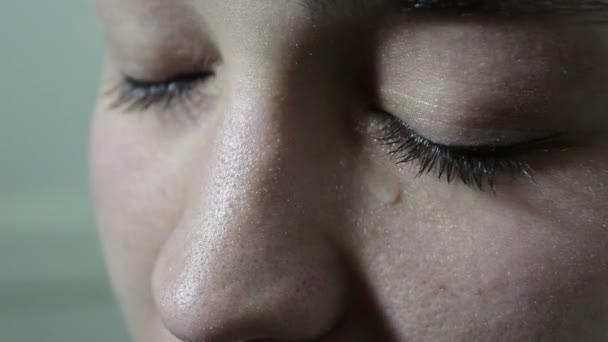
(384, 185)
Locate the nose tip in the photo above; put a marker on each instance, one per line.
(251, 257)
(251, 292)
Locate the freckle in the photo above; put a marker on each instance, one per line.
(443, 287)
(479, 292)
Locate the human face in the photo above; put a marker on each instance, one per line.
(256, 171)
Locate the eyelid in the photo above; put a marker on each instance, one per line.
(483, 149)
(588, 11)
(441, 4)
(176, 79)
(142, 94)
(476, 166)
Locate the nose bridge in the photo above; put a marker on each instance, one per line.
(259, 135)
(246, 260)
(280, 128)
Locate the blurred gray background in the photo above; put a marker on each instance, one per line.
(52, 281)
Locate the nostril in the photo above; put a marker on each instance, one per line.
(283, 311)
(245, 263)
(263, 290)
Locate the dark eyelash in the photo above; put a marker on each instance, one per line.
(441, 4)
(593, 11)
(475, 166)
(140, 95)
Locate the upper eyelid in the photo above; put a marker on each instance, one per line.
(476, 165)
(186, 77)
(481, 150)
(133, 93)
(433, 4)
(579, 12)
(561, 7)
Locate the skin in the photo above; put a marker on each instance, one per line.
(263, 208)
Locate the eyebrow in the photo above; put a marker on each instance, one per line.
(595, 10)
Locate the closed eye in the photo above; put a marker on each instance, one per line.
(441, 4)
(593, 11)
(132, 94)
(475, 166)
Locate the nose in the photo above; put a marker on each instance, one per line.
(250, 258)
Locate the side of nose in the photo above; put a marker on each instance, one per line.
(249, 259)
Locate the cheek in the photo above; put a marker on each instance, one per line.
(138, 196)
(466, 266)
(540, 276)
(135, 180)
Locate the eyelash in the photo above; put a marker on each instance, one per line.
(442, 4)
(595, 11)
(475, 166)
(138, 95)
